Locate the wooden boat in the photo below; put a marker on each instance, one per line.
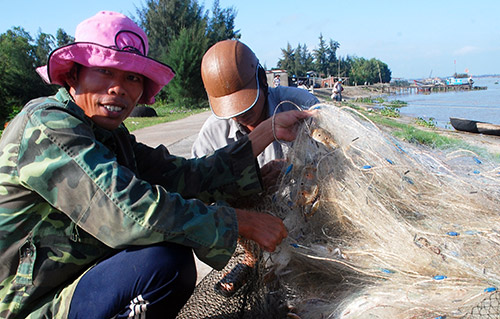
(472, 126)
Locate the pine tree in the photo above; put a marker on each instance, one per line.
(288, 60)
(184, 56)
(333, 64)
(179, 34)
(63, 38)
(163, 21)
(321, 57)
(44, 45)
(220, 25)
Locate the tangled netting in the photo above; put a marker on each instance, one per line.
(379, 228)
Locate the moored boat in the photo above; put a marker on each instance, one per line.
(472, 126)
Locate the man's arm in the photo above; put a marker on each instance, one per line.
(228, 174)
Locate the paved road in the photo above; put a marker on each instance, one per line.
(178, 137)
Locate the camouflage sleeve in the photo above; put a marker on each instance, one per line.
(230, 173)
(61, 160)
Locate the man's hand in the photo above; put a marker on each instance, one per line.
(266, 230)
(285, 123)
(285, 128)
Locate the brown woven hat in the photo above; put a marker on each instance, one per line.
(229, 72)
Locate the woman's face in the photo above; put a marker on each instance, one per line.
(106, 95)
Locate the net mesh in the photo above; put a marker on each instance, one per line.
(488, 308)
(254, 299)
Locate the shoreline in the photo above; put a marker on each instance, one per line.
(490, 143)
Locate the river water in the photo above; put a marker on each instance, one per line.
(479, 105)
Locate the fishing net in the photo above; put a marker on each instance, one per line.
(378, 228)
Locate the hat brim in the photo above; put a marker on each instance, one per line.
(237, 103)
(89, 54)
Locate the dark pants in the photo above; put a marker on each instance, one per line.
(157, 279)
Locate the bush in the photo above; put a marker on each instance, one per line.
(430, 123)
(390, 112)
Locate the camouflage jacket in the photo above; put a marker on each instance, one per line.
(72, 193)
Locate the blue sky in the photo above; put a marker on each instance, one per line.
(414, 38)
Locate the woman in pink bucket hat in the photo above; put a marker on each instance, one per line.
(109, 39)
(94, 224)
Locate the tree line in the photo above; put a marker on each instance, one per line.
(20, 54)
(179, 33)
(299, 62)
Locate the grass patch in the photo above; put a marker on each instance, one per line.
(367, 100)
(397, 103)
(415, 135)
(166, 113)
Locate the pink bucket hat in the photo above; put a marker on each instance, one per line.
(109, 39)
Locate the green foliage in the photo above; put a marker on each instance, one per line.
(325, 57)
(163, 21)
(368, 71)
(397, 103)
(220, 25)
(299, 61)
(390, 112)
(415, 135)
(367, 100)
(303, 60)
(179, 35)
(185, 54)
(19, 81)
(430, 123)
(433, 139)
(296, 61)
(63, 38)
(320, 57)
(288, 60)
(44, 45)
(400, 83)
